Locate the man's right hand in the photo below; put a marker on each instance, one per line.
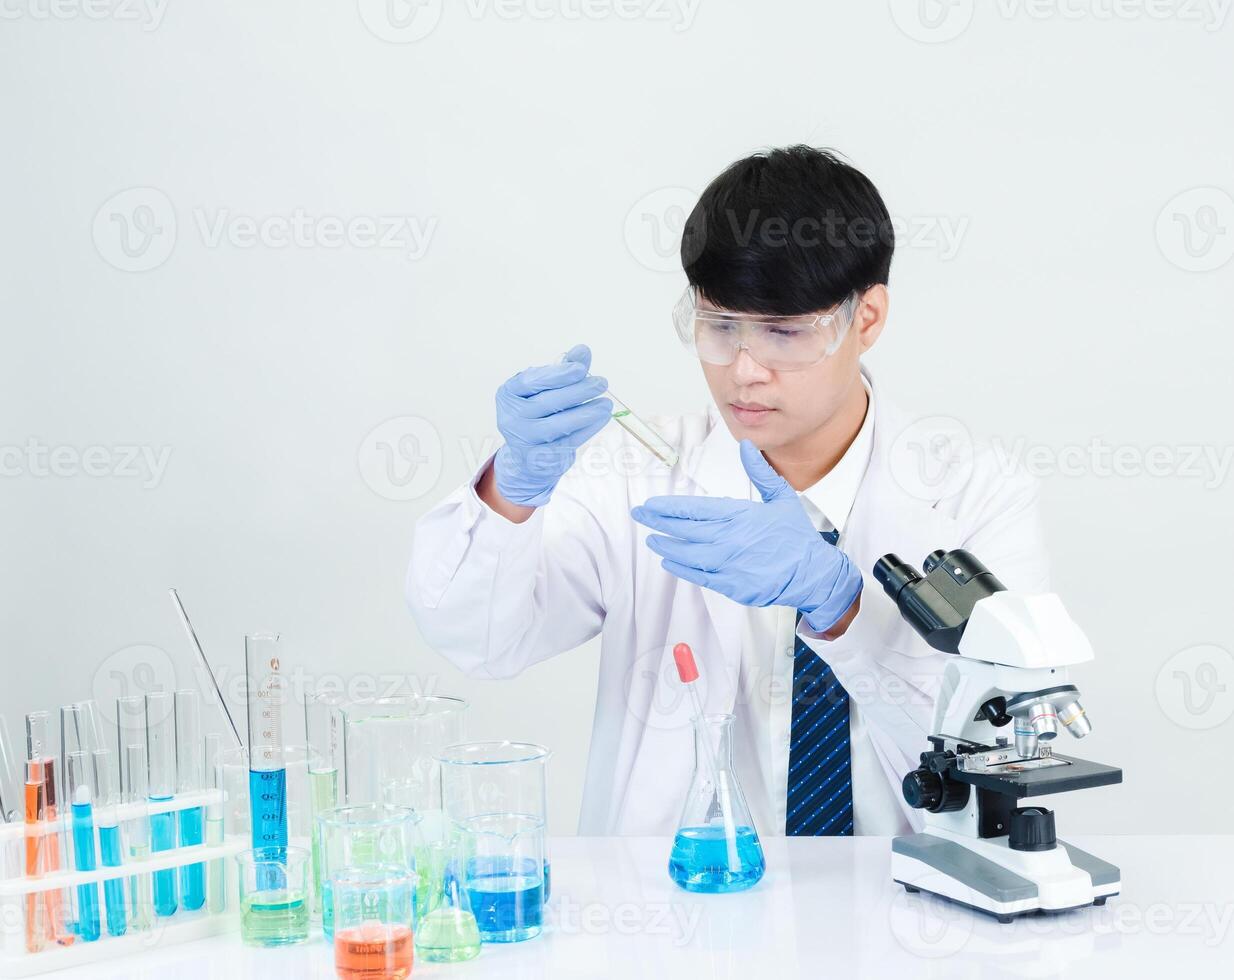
(545, 413)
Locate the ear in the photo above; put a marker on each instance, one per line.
(870, 317)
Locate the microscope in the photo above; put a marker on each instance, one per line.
(980, 847)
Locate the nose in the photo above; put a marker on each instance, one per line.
(746, 370)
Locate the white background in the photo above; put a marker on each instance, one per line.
(545, 151)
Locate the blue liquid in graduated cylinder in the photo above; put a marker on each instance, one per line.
(268, 810)
(699, 862)
(507, 898)
(84, 859)
(192, 876)
(163, 838)
(113, 890)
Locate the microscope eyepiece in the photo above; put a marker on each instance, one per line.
(938, 604)
(893, 573)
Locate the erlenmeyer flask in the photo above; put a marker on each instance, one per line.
(716, 848)
(446, 929)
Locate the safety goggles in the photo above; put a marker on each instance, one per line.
(778, 343)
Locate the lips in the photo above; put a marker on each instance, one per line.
(750, 413)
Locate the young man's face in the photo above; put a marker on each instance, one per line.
(775, 409)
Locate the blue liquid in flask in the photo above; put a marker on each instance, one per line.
(700, 860)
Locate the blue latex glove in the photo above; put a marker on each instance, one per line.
(545, 414)
(758, 554)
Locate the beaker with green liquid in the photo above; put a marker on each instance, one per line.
(274, 909)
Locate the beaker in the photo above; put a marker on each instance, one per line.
(494, 793)
(372, 922)
(274, 899)
(716, 848)
(363, 838)
(389, 748)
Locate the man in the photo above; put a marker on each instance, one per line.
(765, 532)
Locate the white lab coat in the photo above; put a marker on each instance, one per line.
(496, 597)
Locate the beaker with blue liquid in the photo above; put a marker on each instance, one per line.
(494, 794)
(716, 848)
(363, 838)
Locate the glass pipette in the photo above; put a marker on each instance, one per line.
(201, 654)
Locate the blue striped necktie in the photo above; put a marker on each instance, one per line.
(820, 783)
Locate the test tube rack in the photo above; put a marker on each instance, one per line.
(184, 926)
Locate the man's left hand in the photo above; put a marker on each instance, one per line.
(758, 554)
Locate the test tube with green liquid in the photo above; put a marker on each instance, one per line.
(216, 872)
(655, 443)
(644, 433)
(323, 730)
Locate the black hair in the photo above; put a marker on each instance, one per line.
(787, 231)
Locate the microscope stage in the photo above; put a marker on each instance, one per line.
(1030, 778)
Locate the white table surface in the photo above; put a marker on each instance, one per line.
(827, 908)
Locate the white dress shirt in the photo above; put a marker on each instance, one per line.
(764, 708)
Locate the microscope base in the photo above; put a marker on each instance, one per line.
(989, 876)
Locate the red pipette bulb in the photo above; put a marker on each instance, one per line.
(687, 670)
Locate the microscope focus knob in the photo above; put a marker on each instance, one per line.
(1032, 829)
(926, 790)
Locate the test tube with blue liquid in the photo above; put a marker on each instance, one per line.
(267, 768)
(188, 780)
(111, 845)
(161, 756)
(85, 858)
